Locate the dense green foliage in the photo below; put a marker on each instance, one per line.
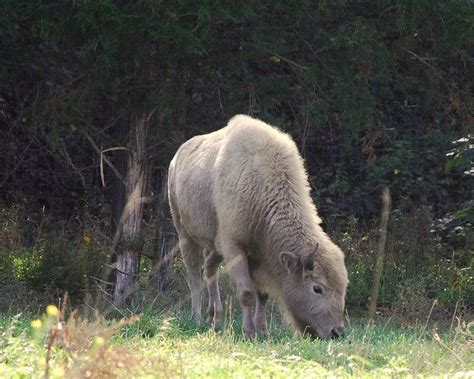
(374, 93)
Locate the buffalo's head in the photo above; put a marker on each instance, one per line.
(314, 289)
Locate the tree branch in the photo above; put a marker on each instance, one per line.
(106, 160)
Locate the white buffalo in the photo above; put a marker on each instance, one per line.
(241, 194)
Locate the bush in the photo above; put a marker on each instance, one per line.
(419, 267)
(48, 255)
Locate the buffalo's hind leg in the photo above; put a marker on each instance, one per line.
(260, 318)
(212, 260)
(190, 251)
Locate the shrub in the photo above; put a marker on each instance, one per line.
(48, 255)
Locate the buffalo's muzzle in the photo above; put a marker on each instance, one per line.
(337, 332)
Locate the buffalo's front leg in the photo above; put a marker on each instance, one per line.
(260, 314)
(238, 269)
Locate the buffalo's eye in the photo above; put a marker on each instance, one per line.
(317, 289)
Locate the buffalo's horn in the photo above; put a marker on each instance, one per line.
(310, 256)
(313, 253)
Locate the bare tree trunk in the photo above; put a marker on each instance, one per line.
(166, 243)
(128, 239)
(118, 203)
(382, 242)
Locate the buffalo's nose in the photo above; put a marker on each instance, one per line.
(337, 332)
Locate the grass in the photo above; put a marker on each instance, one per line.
(158, 345)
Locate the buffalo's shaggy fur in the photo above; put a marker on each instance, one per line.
(242, 194)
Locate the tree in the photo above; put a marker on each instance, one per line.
(374, 93)
(127, 240)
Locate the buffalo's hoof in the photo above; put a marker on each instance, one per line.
(263, 333)
(250, 333)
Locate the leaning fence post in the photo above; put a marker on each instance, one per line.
(382, 242)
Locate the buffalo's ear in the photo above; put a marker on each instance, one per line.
(290, 261)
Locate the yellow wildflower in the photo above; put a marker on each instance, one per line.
(52, 310)
(87, 239)
(57, 372)
(99, 341)
(36, 324)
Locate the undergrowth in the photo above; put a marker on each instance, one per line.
(39, 262)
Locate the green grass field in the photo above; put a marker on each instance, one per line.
(158, 345)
